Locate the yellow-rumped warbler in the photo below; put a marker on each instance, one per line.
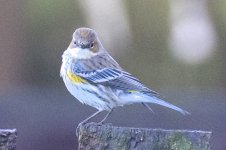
(93, 77)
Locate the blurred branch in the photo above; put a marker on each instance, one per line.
(8, 139)
(94, 136)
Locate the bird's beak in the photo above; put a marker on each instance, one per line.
(82, 46)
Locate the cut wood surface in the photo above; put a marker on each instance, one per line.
(101, 137)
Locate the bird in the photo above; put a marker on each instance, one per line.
(94, 78)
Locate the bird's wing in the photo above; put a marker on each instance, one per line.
(101, 75)
(104, 70)
(116, 79)
(129, 83)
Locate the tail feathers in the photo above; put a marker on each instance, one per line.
(144, 99)
(158, 101)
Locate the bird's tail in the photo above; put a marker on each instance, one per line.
(143, 98)
(161, 102)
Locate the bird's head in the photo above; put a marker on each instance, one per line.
(85, 44)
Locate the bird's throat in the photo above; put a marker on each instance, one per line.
(79, 53)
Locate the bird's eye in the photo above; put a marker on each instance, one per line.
(92, 45)
(75, 42)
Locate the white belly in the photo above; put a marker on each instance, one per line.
(88, 94)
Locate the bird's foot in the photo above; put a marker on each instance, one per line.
(104, 123)
(100, 123)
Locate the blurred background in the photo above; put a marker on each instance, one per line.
(176, 47)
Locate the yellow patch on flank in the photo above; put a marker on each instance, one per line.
(75, 79)
(132, 91)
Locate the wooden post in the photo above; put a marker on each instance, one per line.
(94, 136)
(8, 139)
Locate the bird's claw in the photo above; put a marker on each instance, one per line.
(100, 123)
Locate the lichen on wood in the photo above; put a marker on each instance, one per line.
(101, 137)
